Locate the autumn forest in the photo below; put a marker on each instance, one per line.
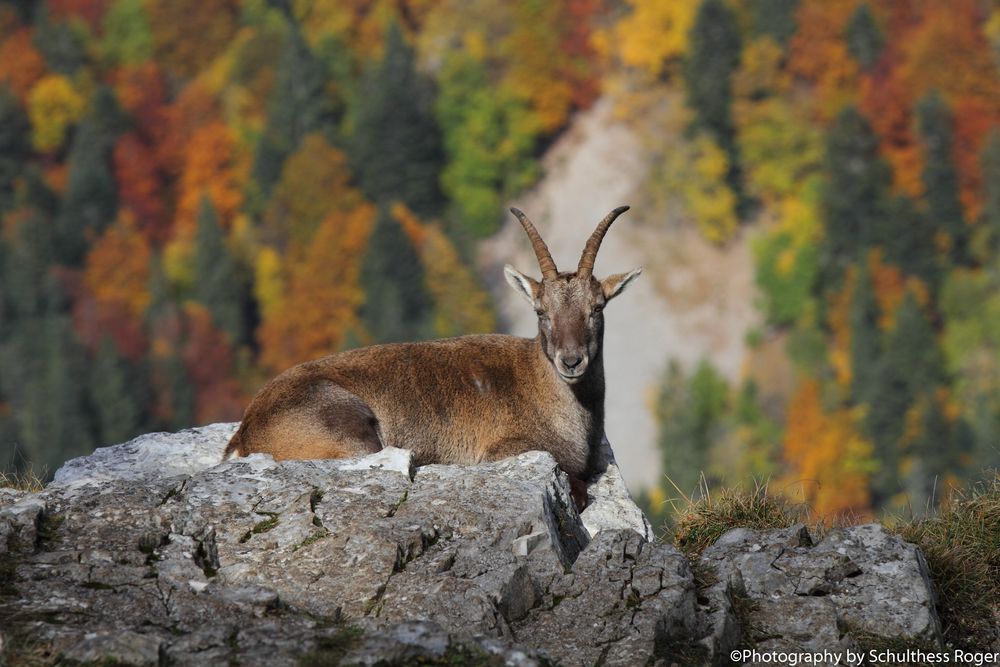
(196, 195)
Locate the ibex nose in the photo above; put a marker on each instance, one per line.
(571, 361)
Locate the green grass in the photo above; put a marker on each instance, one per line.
(267, 524)
(312, 539)
(261, 526)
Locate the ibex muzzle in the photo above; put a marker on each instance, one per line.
(458, 400)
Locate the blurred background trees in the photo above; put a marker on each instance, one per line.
(196, 195)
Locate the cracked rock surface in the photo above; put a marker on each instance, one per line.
(856, 586)
(154, 552)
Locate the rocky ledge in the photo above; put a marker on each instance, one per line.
(153, 552)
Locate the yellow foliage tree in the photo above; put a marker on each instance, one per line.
(651, 36)
(780, 147)
(324, 293)
(538, 70)
(314, 180)
(461, 306)
(117, 267)
(359, 23)
(268, 281)
(838, 317)
(696, 172)
(53, 105)
(828, 457)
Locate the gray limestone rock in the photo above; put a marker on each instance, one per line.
(797, 595)
(150, 456)
(156, 551)
(609, 505)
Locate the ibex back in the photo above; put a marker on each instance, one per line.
(460, 400)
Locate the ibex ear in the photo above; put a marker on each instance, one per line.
(616, 284)
(522, 284)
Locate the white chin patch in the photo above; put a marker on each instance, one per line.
(570, 378)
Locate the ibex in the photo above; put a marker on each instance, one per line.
(460, 400)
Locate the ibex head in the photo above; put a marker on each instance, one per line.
(570, 305)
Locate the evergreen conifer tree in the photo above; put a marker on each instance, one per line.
(713, 57)
(690, 412)
(25, 268)
(937, 452)
(397, 306)
(911, 365)
(180, 392)
(907, 236)
(60, 41)
(299, 104)
(864, 38)
(218, 283)
(116, 395)
(990, 163)
(174, 392)
(853, 202)
(864, 336)
(46, 381)
(774, 19)
(395, 148)
(15, 145)
(940, 178)
(91, 200)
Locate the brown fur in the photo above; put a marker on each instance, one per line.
(459, 400)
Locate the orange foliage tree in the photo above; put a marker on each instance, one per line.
(886, 99)
(21, 65)
(189, 34)
(141, 186)
(323, 297)
(819, 53)
(142, 92)
(933, 47)
(539, 68)
(461, 305)
(117, 267)
(215, 168)
(194, 108)
(828, 457)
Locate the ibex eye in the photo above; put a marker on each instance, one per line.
(598, 308)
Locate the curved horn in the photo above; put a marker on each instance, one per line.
(589, 256)
(545, 262)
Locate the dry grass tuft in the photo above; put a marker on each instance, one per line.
(23, 481)
(961, 543)
(699, 523)
(962, 546)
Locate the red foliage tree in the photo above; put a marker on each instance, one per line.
(141, 186)
(90, 11)
(208, 359)
(21, 65)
